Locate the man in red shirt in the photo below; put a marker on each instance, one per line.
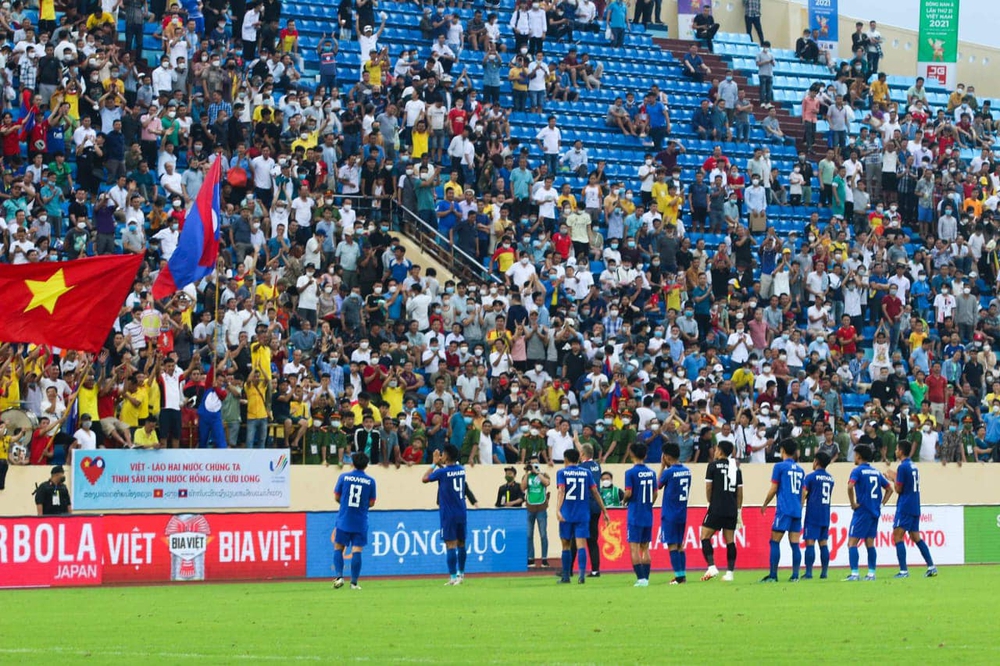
(562, 241)
(847, 336)
(892, 311)
(716, 159)
(936, 392)
(458, 117)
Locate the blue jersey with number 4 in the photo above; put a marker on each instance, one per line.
(675, 481)
(451, 492)
(576, 483)
(788, 476)
(356, 491)
(868, 483)
(642, 482)
(819, 486)
(908, 482)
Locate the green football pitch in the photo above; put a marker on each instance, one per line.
(502, 620)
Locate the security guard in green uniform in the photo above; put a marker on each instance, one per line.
(52, 496)
(617, 440)
(533, 443)
(808, 442)
(337, 438)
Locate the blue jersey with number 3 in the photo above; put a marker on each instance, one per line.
(819, 485)
(789, 476)
(676, 484)
(868, 484)
(451, 492)
(642, 482)
(357, 491)
(576, 483)
(908, 481)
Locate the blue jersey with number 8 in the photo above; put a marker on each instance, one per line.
(357, 491)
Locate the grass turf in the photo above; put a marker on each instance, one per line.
(525, 619)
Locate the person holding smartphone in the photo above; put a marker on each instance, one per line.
(535, 484)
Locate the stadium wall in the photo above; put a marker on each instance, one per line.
(784, 21)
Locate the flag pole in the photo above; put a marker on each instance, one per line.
(215, 329)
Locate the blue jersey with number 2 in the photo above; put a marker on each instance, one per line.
(642, 482)
(576, 483)
(868, 483)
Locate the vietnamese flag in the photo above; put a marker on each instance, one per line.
(68, 304)
(198, 245)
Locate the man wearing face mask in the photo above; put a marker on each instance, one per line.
(510, 495)
(52, 496)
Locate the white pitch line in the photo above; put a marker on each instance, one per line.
(76, 652)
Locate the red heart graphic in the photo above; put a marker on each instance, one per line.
(92, 468)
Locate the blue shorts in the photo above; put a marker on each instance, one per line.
(907, 522)
(672, 532)
(816, 532)
(788, 524)
(925, 214)
(568, 530)
(640, 534)
(863, 526)
(453, 531)
(349, 539)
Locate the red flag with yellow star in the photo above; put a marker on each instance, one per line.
(67, 304)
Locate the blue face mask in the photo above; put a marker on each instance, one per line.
(468, 420)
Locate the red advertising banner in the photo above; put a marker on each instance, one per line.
(159, 548)
(752, 542)
(51, 552)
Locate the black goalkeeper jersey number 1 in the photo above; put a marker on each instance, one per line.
(723, 501)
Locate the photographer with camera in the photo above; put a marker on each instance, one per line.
(535, 484)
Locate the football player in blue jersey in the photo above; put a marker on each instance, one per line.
(868, 492)
(675, 481)
(907, 520)
(452, 491)
(786, 483)
(640, 494)
(576, 487)
(355, 492)
(817, 494)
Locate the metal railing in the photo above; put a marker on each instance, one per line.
(434, 243)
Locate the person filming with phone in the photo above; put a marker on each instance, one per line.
(535, 484)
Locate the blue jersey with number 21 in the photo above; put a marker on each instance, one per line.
(451, 493)
(642, 482)
(576, 483)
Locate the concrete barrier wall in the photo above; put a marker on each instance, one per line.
(312, 488)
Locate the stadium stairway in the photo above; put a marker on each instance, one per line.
(416, 251)
(790, 125)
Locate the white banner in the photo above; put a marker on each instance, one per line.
(942, 527)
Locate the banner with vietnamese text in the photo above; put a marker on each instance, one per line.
(180, 479)
(408, 543)
(823, 18)
(937, 44)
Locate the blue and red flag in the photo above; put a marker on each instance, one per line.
(198, 245)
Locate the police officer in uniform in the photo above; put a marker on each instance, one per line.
(52, 496)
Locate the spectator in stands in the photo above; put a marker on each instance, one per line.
(701, 120)
(704, 25)
(693, 65)
(810, 116)
(616, 20)
(806, 48)
(751, 17)
(772, 129)
(874, 46)
(765, 72)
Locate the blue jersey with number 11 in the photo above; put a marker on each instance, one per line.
(642, 482)
(576, 483)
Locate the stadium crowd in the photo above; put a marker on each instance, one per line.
(599, 315)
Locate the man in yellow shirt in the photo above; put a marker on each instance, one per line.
(146, 437)
(260, 354)
(258, 411)
(880, 90)
(299, 413)
(363, 405)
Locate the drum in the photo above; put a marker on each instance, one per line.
(18, 419)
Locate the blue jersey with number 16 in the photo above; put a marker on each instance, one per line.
(788, 476)
(642, 482)
(576, 483)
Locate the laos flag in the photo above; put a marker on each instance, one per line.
(198, 245)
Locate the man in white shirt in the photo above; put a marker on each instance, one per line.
(263, 181)
(549, 140)
(171, 380)
(251, 23)
(559, 441)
